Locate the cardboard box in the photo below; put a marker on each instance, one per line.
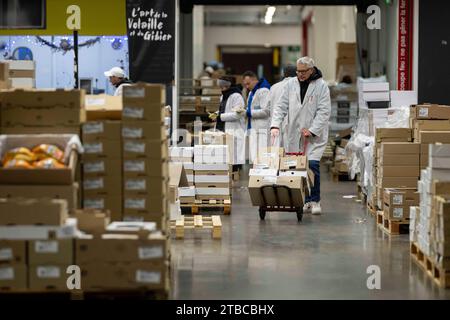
(434, 136)
(143, 94)
(93, 221)
(58, 252)
(376, 96)
(143, 130)
(20, 129)
(400, 171)
(400, 159)
(22, 73)
(21, 64)
(181, 152)
(431, 125)
(102, 149)
(295, 183)
(397, 182)
(382, 133)
(68, 193)
(146, 167)
(103, 107)
(101, 167)
(13, 252)
(103, 202)
(101, 130)
(430, 111)
(224, 168)
(145, 204)
(23, 83)
(48, 277)
(4, 71)
(142, 275)
(439, 150)
(39, 232)
(110, 184)
(131, 215)
(400, 148)
(33, 211)
(293, 163)
(5, 84)
(375, 86)
(212, 191)
(438, 187)
(156, 186)
(39, 176)
(439, 163)
(13, 276)
(400, 196)
(346, 49)
(177, 178)
(186, 192)
(398, 212)
(150, 149)
(122, 248)
(263, 172)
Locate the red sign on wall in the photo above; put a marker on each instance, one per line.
(405, 44)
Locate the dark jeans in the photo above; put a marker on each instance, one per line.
(314, 166)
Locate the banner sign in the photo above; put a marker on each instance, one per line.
(405, 44)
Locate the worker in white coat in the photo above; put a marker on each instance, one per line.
(258, 113)
(306, 100)
(231, 118)
(118, 79)
(275, 93)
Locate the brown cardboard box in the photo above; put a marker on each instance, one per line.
(400, 196)
(144, 94)
(177, 178)
(146, 167)
(398, 212)
(150, 149)
(346, 49)
(4, 71)
(121, 248)
(101, 167)
(341, 166)
(48, 252)
(430, 111)
(425, 149)
(13, 276)
(402, 133)
(143, 130)
(143, 112)
(156, 186)
(142, 275)
(400, 171)
(92, 221)
(5, 84)
(13, 252)
(400, 159)
(397, 182)
(295, 183)
(399, 148)
(293, 163)
(145, 204)
(440, 187)
(434, 136)
(22, 73)
(68, 193)
(20, 129)
(111, 202)
(48, 277)
(102, 149)
(431, 125)
(101, 130)
(103, 107)
(33, 211)
(109, 184)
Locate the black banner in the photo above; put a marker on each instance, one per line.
(151, 40)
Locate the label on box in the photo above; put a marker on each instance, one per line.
(143, 276)
(290, 163)
(134, 166)
(93, 147)
(132, 92)
(135, 184)
(6, 254)
(136, 147)
(136, 113)
(134, 203)
(95, 102)
(397, 199)
(94, 204)
(423, 112)
(262, 166)
(93, 184)
(7, 273)
(133, 133)
(93, 128)
(150, 252)
(48, 272)
(270, 179)
(397, 213)
(46, 246)
(97, 166)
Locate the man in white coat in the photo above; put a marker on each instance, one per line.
(258, 113)
(117, 78)
(306, 100)
(231, 118)
(275, 93)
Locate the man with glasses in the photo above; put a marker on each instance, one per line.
(306, 101)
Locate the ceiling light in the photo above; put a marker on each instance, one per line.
(269, 14)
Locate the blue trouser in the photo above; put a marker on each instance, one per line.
(314, 166)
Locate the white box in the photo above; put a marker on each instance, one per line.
(262, 172)
(211, 167)
(376, 96)
(186, 192)
(24, 83)
(375, 86)
(190, 177)
(294, 173)
(438, 174)
(212, 191)
(216, 159)
(439, 163)
(439, 150)
(188, 165)
(181, 152)
(21, 64)
(403, 98)
(211, 178)
(69, 230)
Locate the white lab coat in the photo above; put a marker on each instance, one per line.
(119, 89)
(313, 114)
(235, 125)
(275, 94)
(259, 132)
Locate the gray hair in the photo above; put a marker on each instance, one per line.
(306, 60)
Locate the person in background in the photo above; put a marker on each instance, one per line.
(117, 78)
(206, 73)
(306, 101)
(231, 118)
(258, 113)
(275, 94)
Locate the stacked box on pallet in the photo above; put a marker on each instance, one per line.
(184, 155)
(102, 167)
(21, 73)
(145, 154)
(398, 201)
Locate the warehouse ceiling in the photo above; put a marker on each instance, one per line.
(251, 15)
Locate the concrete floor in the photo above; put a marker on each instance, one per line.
(323, 257)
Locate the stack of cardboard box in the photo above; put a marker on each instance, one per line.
(397, 203)
(102, 167)
(346, 61)
(185, 156)
(340, 159)
(5, 81)
(42, 111)
(145, 154)
(22, 73)
(376, 94)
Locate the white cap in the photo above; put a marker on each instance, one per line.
(115, 72)
(209, 69)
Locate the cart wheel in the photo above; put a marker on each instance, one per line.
(300, 214)
(262, 213)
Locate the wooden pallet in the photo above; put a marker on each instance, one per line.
(392, 227)
(221, 204)
(371, 210)
(439, 275)
(197, 222)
